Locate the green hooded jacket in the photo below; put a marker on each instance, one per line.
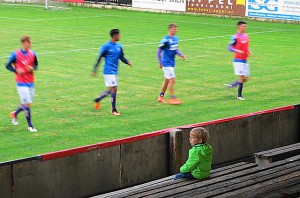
(199, 162)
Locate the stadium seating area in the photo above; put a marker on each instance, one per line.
(243, 179)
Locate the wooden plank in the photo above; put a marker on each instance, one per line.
(289, 191)
(179, 189)
(236, 183)
(269, 158)
(182, 182)
(249, 180)
(173, 189)
(276, 149)
(260, 188)
(165, 179)
(282, 151)
(294, 158)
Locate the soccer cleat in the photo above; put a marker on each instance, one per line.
(97, 105)
(174, 101)
(240, 98)
(14, 120)
(229, 86)
(32, 129)
(161, 99)
(115, 113)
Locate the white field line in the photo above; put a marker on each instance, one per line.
(137, 44)
(92, 15)
(51, 19)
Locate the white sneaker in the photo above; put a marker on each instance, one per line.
(240, 98)
(32, 129)
(14, 119)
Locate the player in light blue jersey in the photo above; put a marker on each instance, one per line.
(169, 46)
(112, 52)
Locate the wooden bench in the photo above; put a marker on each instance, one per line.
(237, 180)
(273, 155)
(169, 183)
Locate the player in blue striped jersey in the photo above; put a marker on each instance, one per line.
(169, 47)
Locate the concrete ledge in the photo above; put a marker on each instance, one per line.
(6, 182)
(144, 160)
(74, 176)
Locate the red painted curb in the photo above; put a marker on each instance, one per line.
(88, 148)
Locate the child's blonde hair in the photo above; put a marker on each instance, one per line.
(200, 133)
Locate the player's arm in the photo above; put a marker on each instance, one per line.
(191, 163)
(179, 53)
(231, 45)
(250, 52)
(162, 45)
(36, 63)
(12, 59)
(123, 59)
(102, 53)
(34, 66)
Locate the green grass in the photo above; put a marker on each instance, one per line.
(63, 111)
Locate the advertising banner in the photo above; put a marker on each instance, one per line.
(274, 9)
(172, 5)
(220, 7)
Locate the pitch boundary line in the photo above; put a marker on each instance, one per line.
(137, 44)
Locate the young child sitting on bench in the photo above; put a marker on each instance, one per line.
(198, 165)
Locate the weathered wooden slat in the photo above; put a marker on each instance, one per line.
(277, 149)
(182, 182)
(122, 192)
(289, 191)
(250, 180)
(179, 189)
(263, 187)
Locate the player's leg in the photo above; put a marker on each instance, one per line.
(237, 71)
(173, 99)
(111, 81)
(14, 115)
(172, 79)
(113, 96)
(240, 89)
(245, 73)
(27, 109)
(233, 84)
(26, 96)
(163, 91)
(100, 97)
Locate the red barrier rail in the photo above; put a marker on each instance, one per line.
(88, 148)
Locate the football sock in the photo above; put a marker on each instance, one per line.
(19, 109)
(240, 89)
(235, 83)
(162, 94)
(172, 96)
(28, 116)
(102, 95)
(113, 101)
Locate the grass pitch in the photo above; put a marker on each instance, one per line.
(67, 44)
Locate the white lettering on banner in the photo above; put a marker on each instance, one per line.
(219, 1)
(175, 5)
(198, 3)
(276, 9)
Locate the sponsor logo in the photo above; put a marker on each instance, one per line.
(263, 5)
(228, 7)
